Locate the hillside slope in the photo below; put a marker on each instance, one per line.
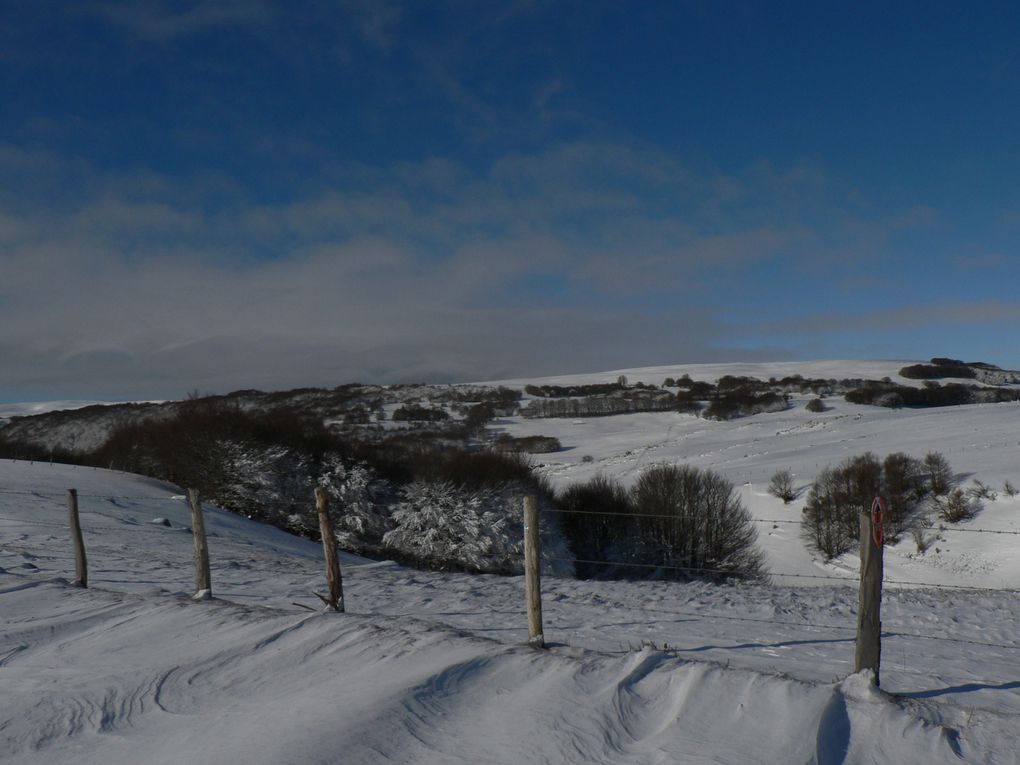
(429, 667)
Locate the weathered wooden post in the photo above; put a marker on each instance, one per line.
(203, 580)
(869, 618)
(532, 572)
(81, 564)
(334, 577)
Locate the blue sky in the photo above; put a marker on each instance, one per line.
(251, 193)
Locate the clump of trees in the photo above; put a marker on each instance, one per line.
(597, 523)
(528, 444)
(932, 394)
(429, 504)
(840, 493)
(939, 368)
(697, 389)
(729, 398)
(633, 399)
(739, 402)
(418, 413)
(687, 521)
(566, 391)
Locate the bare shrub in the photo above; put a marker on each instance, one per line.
(816, 405)
(938, 473)
(982, 491)
(835, 501)
(840, 494)
(957, 506)
(903, 486)
(781, 486)
(1009, 489)
(596, 522)
(699, 522)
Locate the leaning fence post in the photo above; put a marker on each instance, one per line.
(869, 618)
(334, 577)
(532, 573)
(81, 565)
(203, 580)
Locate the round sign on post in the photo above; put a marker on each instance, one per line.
(878, 520)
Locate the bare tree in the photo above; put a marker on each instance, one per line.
(781, 486)
(697, 520)
(939, 474)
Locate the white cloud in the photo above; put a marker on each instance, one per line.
(556, 261)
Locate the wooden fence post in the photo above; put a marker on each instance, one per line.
(868, 654)
(532, 572)
(81, 565)
(334, 577)
(203, 580)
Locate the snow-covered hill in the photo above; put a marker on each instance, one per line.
(980, 441)
(431, 668)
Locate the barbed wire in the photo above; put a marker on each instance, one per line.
(943, 638)
(650, 566)
(696, 569)
(849, 628)
(561, 511)
(63, 494)
(774, 521)
(785, 574)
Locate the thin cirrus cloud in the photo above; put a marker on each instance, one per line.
(404, 275)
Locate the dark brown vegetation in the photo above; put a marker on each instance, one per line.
(841, 493)
(527, 444)
(676, 522)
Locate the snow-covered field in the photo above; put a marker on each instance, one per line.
(980, 441)
(432, 668)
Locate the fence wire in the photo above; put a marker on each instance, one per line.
(774, 521)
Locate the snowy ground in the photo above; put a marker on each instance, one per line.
(432, 668)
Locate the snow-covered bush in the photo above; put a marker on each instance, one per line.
(447, 525)
(266, 482)
(357, 504)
